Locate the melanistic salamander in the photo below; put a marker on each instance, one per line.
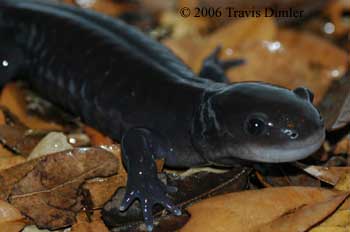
(139, 93)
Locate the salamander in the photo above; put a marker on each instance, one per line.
(139, 93)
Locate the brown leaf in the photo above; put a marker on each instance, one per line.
(102, 189)
(46, 189)
(230, 37)
(284, 175)
(18, 139)
(330, 175)
(248, 210)
(301, 219)
(338, 222)
(13, 98)
(335, 106)
(108, 7)
(96, 137)
(84, 225)
(11, 218)
(343, 146)
(291, 59)
(10, 161)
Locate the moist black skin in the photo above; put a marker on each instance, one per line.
(139, 93)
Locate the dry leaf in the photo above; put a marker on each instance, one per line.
(335, 106)
(7, 162)
(102, 189)
(96, 137)
(343, 146)
(301, 219)
(84, 225)
(46, 189)
(330, 175)
(11, 219)
(248, 210)
(292, 59)
(13, 98)
(108, 7)
(51, 143)
(18, 139)
(230, 37)
(344, 182)
(338, 222)
(234, 35)
(34, 228)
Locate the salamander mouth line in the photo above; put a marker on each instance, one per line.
(288, 154)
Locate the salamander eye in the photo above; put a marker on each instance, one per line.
(255, 126)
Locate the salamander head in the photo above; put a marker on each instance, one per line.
(261, 122)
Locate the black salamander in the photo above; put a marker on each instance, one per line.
(139, 93)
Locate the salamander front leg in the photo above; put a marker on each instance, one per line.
(214, 69)
(139, 147)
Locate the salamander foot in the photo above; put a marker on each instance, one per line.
(214, 69)
(143, 183)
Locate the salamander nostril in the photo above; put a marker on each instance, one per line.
(293, 134)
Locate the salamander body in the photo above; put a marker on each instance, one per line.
(140, 94)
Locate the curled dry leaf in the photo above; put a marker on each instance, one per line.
(330, 175)
(13, 98)
(46, 189)
(249, 210)
(11, 218)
